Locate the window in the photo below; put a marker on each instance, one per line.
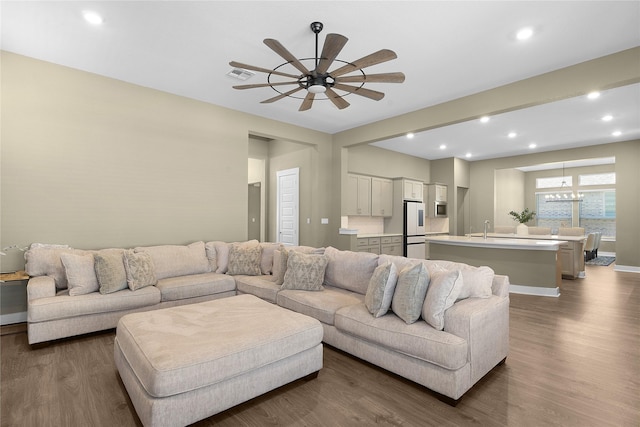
(554, 182)
(598, 212)
(553, 214)
(597, 179)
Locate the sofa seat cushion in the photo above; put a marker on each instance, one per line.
(260, 286)
(418, 339)
(195, 285)
(64, 306)
(321, 305)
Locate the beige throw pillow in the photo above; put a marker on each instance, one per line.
(110, 272)
(477, 282)
(304, 271)
(381, 288)
(81, 277)
(139, 268)
(443, 291)
(410, 291)
(245, 260)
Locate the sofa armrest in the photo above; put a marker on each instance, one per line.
(484, 323)
(40, 287)
(500, 285)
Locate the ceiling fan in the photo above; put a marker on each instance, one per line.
(319, 80)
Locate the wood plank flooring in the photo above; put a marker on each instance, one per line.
(573, 361)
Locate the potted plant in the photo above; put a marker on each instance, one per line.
(523, 217)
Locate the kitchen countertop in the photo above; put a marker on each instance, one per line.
(533, 236)
(498, 242)
(379, 235)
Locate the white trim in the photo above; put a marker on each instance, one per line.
(626, 268)
(534, 290)
(600, 253)
(11, 318)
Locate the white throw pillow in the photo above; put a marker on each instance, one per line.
(81, 276)
(410, 291)
(477, 282)
(442, 294)
(381, 288)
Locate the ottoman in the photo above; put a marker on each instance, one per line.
(182, 364)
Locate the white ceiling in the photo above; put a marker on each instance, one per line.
(446, 50)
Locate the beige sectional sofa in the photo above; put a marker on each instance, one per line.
(441, 324)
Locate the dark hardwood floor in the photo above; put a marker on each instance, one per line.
(573, 361)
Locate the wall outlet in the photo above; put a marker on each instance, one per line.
(324, 220)
(308, 220)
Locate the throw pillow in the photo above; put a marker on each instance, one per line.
(139, 268)
(280, 258)
(410, 291)
(443, 291)
(304, 271)
(477, 282)
(81, 277)
(212, 255)
(110, 272)
(222, 253)
(268, 249)
(381, 288)
(245, 260)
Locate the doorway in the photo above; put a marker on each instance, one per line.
(462, 214)
(287, 208)
(254, 204)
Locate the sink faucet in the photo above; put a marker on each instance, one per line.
(486, 227)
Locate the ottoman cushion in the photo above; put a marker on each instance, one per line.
(184, 348)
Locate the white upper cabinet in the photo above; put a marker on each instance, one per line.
(381, 197)
(412, 190)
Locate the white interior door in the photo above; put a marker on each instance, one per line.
(287, 209)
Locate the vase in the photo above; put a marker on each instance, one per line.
(522, 230)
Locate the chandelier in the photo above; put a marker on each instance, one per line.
(565, 196)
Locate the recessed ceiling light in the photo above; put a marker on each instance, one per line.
(442, 146)
(593, 95)
(92, 17)
(410, 135)
(512, 135)
(467, 155)
(524, 33)
(616, 133)
(484, 119)
(607, 118)
(532, 145)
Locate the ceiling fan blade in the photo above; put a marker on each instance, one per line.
(333, 44)
(282, 95)
(308, 100)
(283, 52)
(337, 100)
(367, 93)
(373, 78)
(252, 86)
(378, 57)
(262, 70)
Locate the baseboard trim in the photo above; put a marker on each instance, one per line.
(626, 268)
(11, 318)
(534, 290)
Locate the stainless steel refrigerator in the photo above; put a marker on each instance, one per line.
(414, 230)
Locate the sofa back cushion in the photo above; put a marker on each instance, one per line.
(177, 260)
(45, 261)
(350, 270)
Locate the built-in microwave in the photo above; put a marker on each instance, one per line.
(439, 210)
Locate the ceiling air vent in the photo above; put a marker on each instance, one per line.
(240, 74)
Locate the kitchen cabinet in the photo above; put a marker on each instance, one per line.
(391, 245)
(436, 193)
(358, 195)
(571, 259)
(368, 244)
(412, 190)
(381, 197)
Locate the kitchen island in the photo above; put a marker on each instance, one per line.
(533, 266)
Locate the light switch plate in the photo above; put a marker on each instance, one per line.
(324, 220)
